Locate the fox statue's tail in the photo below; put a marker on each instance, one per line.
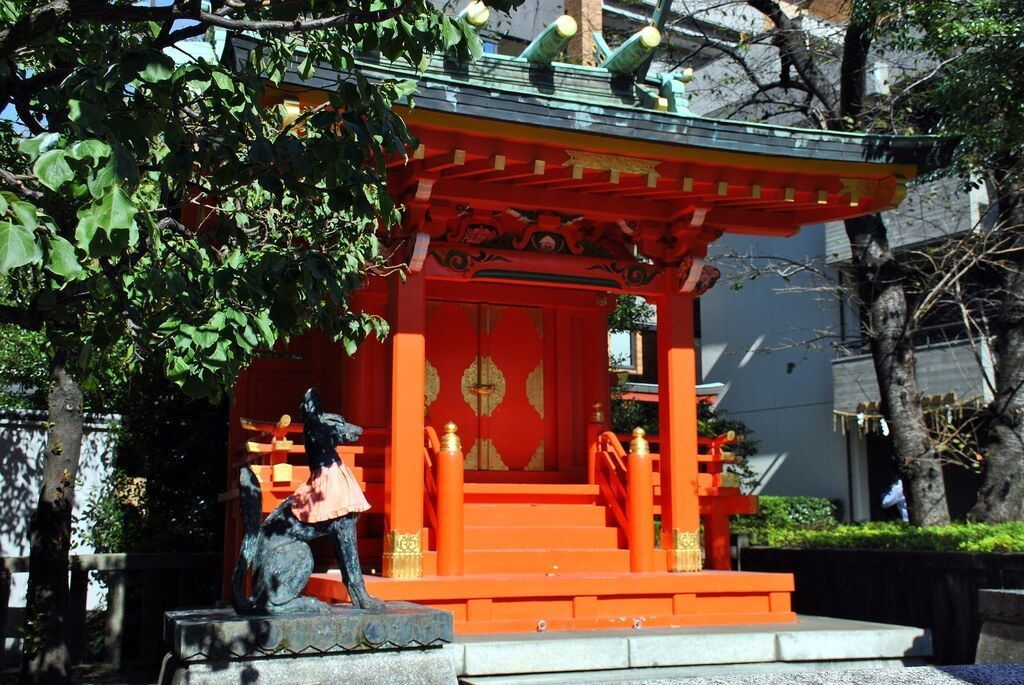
(250, 499)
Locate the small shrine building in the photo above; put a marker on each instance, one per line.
(539, 192)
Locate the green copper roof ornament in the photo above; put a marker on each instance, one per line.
(658, 20)
(551, 42)
(475, 14)
(673, 89)
(632, 54)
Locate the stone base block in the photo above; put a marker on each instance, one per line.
(1002, 635)
(383, 667)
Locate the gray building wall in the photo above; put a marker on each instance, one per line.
(749, 338)
(941, 368)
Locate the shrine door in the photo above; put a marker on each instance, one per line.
(485, 372)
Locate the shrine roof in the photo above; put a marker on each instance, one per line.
(592, 100)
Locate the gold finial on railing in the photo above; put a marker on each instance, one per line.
(284, 421)
(639, 443)
(597, 415)
(450, 440)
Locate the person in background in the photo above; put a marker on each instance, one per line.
(896, 498)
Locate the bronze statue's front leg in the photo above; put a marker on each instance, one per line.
(346, 551)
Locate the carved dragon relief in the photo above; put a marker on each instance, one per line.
(548, 232)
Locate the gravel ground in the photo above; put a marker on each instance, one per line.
(1008, 674)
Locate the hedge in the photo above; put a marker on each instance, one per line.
(958, 537)
(786, 513)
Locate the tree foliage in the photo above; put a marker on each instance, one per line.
(975, 86)
(121, 135)
(159, 207)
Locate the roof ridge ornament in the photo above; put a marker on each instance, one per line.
(475, 14)
(632, 54)
(551, 42)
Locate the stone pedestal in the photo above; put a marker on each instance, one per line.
(1002, 635)
(402, 644)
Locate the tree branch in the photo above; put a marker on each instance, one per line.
(853, 70)
(18, 185)
(52, 15)
(792, 42)
(304, 25)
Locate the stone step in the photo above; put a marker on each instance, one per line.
(511, 537)
(515, 514)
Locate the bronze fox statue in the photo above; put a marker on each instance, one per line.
(278, 550)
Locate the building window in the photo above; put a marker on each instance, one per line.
(626, 349)
(490, 46)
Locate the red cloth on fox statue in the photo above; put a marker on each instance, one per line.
(331, 492)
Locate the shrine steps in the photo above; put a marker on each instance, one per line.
(538, 528)
(549, 556)
(509, 603)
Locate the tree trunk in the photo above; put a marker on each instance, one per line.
(1001, 496)
(880, 287)
(46, 658)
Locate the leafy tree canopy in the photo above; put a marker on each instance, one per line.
(975, 87)
(117, 134)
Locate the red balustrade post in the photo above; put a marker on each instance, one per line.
(716, 540)
(450, 498)
(594, 430)
(640, 505)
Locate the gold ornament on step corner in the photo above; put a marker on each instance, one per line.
(403, 556)
(450, 440)
(639, 444)
(685, 554)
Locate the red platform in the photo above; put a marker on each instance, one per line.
(523, 602)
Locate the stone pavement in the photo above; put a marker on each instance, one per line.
(989, 674)
(812, 643)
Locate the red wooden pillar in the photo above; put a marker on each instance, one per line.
(403, 462)
(677, 381)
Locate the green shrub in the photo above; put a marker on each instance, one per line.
(958, 537)
(786, 514)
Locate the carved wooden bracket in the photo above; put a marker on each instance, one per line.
(419, 252)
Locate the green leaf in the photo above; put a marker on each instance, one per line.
(87, 117)
(37, 145)
(473, 42)
(18, 247)
(26, 214)
(224, 81)
(52, 169)
(450, 33)
(96, 150)
(112, 218)
(152, 66)
(63, 261)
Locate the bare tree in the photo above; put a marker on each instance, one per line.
(796, 68)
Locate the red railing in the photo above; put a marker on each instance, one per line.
(445, 496)
(719, 499)
(607, 464)
(431, 446)
(626, 483)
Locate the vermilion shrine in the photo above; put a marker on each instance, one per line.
(538, 193)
